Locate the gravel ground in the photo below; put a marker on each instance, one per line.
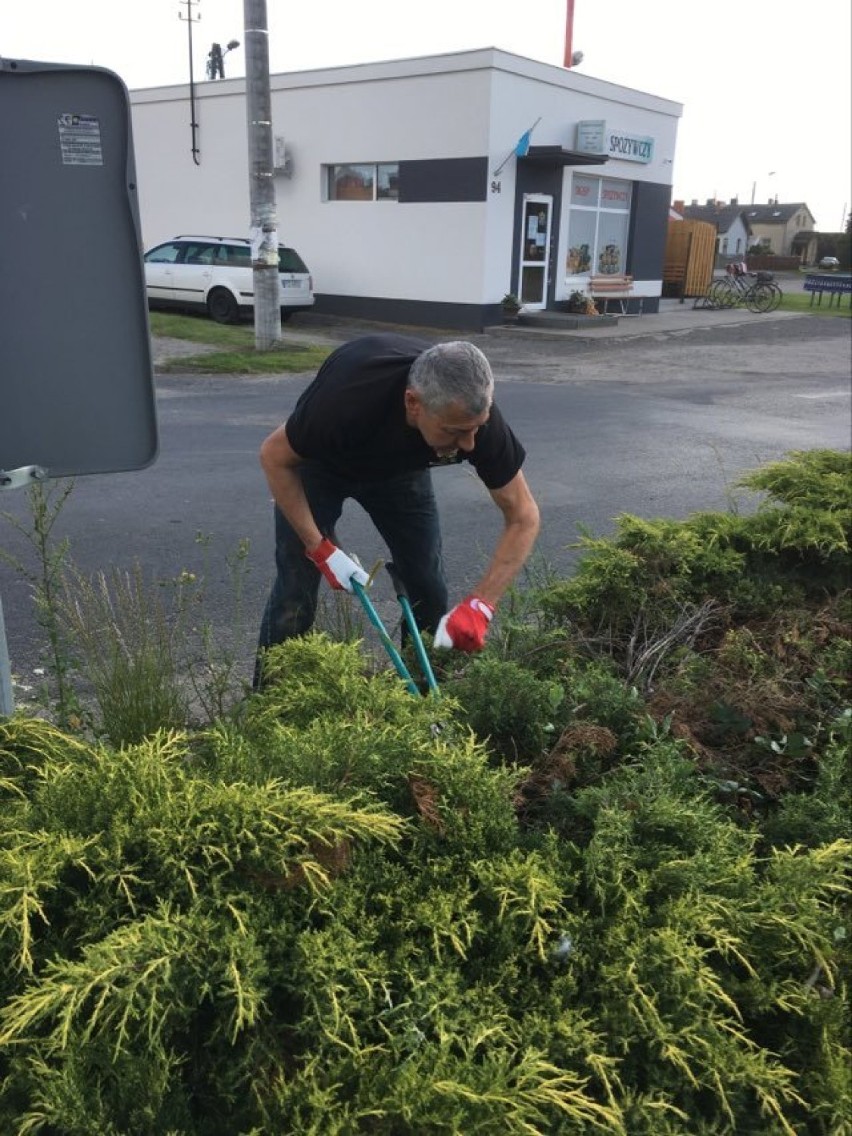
(165, 348)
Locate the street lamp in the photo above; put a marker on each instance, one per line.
(216, 59)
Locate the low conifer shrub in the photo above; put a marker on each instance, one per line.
(597, 887)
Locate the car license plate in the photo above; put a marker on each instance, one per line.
(289, 283)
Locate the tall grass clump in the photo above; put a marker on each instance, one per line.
(128, 653)
(46, 501)
(129, 647)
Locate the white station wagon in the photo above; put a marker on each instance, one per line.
(214, 274)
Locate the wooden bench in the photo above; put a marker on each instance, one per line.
(614, 287)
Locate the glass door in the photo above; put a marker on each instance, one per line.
(535, 250)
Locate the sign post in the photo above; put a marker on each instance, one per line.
(7, 701)
(11, 479)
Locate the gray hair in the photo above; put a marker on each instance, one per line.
(455, 372)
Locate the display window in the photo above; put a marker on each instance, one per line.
(598, 225)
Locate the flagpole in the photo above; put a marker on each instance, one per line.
(514, 149)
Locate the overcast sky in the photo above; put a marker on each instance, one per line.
(765, 84)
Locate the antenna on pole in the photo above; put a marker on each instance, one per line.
(193, 125)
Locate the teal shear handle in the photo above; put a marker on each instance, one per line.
(414, 630)
(374, 618)
(394, 655)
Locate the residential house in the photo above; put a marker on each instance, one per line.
(733, 234)
(787, 230)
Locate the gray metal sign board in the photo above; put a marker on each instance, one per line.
(76, 380)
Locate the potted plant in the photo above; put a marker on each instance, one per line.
(582, 303)
(510, 305)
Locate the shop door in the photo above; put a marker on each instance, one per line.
(535, 250)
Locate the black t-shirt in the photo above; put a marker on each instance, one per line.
(351, 419)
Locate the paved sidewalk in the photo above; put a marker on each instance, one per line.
(673, 317)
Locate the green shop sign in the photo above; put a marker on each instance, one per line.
(593, 137)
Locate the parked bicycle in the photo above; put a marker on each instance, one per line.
(756, 291)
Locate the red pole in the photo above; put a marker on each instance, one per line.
(569, 32)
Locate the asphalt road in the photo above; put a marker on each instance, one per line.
(651, 424)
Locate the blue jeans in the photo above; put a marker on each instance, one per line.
(404, 511)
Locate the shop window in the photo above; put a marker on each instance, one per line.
(363, 182)
(598, 226)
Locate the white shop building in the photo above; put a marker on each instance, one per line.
(400, 186)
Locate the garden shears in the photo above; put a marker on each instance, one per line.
(402, 670)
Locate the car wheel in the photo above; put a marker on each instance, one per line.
(285, 314)
(222, 306)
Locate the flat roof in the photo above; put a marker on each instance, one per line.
(479, 59)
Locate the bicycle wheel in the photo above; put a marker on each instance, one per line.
(729, 294)
(720, 295)
(760, 298)
(711, 298)
(741, 292)
(777, 296)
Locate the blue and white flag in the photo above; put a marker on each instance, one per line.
(522, 148)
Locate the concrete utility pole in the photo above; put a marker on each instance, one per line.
(264, 215)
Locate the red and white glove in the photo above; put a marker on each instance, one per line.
(465, 627)
(338, 568)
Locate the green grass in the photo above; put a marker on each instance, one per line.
(200, 329)
(801, 302)
(293, 359)
(237, 353)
